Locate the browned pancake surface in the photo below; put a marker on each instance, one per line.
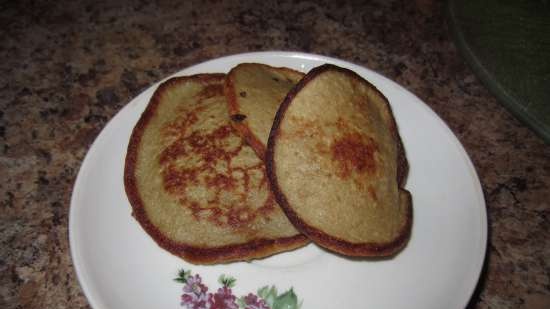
(193, 183)
(254, 92)
(336, 164)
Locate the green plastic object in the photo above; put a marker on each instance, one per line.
(507, 44)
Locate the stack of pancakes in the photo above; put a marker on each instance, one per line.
(238, 166)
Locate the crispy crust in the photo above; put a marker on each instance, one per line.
(244, 131)
(257, 248)
(234, 109)
(317, 235)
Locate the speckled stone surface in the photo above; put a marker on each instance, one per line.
(67, 68)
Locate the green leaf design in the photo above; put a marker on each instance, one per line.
(287, 300)
(227, 281)
(182, 276)
(269, 294)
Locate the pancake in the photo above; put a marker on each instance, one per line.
(254, 92)
(336, 165)
(195, 186)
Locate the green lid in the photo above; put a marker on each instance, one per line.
(507, 44)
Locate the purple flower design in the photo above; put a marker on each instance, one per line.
(194, 294)
(224, 299)
(194, 285)
(192, 301)
(252, 301)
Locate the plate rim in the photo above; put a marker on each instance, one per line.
(473, 280)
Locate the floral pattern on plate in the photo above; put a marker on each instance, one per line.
(196, 295)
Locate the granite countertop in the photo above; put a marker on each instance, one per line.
(67, 68)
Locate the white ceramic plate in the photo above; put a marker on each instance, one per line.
(119, 265)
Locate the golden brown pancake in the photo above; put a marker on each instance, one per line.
(194, 185)
(335, 163)
(254, 92)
